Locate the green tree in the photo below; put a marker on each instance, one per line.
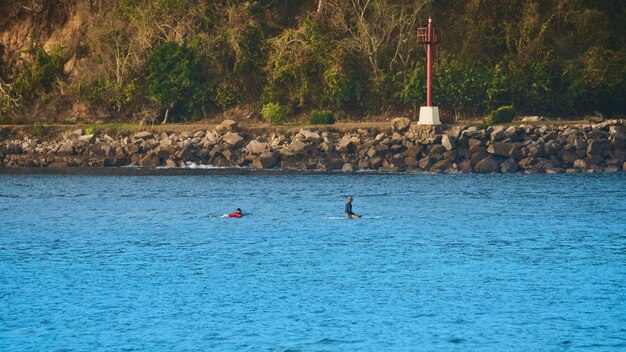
(175, 76)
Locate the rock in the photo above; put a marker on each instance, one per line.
(265, 160)
(554, 170)
(497, 134)
(441, 166)
(289, 165)
(581, 164)
(478, 153)
(474, 142)
(309, 136)
(568, 157)
(75, 134)
(296, 147)
(327, 147)
(256, 147)
(233, 139)
(226, 126)
(487, 165)
(500, 148)
(199, 134)
(347, 167)
(327, 164)
(597, 134)
(142, 135)
(58, 164)
(509, 166)
(66, 149)
(532, 118)
(448, 142)
(376, 162)
(400, 124)
(115, 162)
(594, 149)
(425, 163)
(348, 144)
(88, 138)
(150, 160)
(536, 150)
(579, 143)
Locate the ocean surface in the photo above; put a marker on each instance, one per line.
(143, 261)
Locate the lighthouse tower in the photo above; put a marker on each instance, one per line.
(429, 114)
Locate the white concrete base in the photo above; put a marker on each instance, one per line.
(429, 115)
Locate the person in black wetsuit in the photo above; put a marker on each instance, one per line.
(349, 213)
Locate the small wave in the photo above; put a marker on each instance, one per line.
(9, 196)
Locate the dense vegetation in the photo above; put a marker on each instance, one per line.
(160, 59)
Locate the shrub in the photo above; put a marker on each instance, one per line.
(39, 75)
(321, 117)
(503, 114)
(274, 113)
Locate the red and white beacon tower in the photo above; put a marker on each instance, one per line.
(429, 114)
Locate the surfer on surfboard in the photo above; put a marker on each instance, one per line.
(349, 213)
(236, 214)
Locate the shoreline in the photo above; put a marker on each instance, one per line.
(396, 146)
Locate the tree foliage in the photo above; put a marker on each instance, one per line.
(356, 57)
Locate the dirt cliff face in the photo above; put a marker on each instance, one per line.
(27, 24)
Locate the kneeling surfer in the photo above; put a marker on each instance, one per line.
(349, 213)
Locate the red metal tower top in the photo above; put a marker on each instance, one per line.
(428, 36)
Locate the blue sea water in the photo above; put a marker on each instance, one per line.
(438, 263)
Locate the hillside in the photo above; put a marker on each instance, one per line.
(142, 60)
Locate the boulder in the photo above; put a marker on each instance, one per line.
(296, 147)
(487, 165)
(448, 142)
(88, 138)
(497, 134)
(327, 164)
(115, 162)
(327, 146)
(477, 154)
(75, 134)
(532, 118)
(500, 148)
(265, 160)
(348, 144)
(441, 166)
(594, 149)
(536, 150)
(256, 147)
(581, 164)
(150, 160)
(226, 126)
(569, 156)
(579, 143)
(347, 167)
(400, 124)
(66, 148)
(58, 164)
(233, 139)
(509, 166)
(142, 135)
(425, 163)
(376, 162)
(310, 136)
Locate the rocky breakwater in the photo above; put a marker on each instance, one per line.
(403, 146)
